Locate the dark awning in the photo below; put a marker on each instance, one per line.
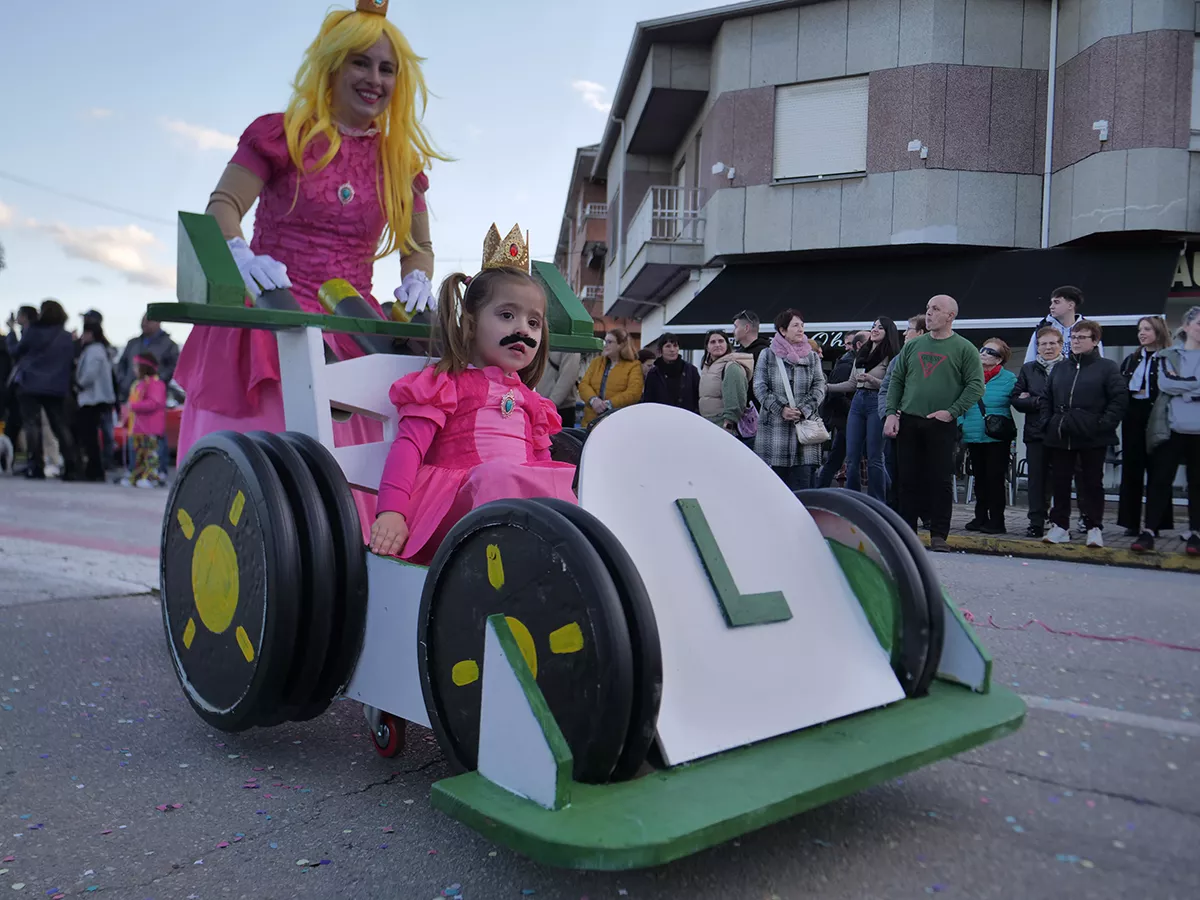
(988, 285)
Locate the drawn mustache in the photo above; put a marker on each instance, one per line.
(519, 339)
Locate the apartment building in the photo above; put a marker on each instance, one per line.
(854, 157)
(583, 241)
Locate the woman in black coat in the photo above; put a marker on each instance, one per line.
(1140, 371)
(46, 356)
(1088, 398)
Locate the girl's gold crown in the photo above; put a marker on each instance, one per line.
(373, 6)
(512, 251)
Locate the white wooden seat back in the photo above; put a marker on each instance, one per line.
(313, 389)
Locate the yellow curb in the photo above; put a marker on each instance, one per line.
(1103, 556)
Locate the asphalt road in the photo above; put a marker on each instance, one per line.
(95, 735)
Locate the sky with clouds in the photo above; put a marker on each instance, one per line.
(121, 114)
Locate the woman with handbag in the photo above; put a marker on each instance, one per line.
(988, 431)
(790, 385)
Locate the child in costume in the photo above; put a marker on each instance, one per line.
(147, 421)
(472, 429)
(339, 179)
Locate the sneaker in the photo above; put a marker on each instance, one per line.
(1034, 531)
(125, 482)
(1057, 535)
(144, 483)
(938, 544)
(1144, 543)
(1193, 545)
(1095, 537)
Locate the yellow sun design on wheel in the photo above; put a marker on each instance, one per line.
(215, 577)
(568, 639)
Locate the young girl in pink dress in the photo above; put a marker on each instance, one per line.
(472, 429)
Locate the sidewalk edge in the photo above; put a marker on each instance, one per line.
(1103, 556)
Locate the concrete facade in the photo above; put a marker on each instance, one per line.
(967, 80)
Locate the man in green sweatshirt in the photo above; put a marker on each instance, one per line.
(937, 377)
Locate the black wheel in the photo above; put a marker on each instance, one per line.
(318, 570)
(528, 562)
(350, 578)
(910, 638)
(929, 579)
(230, 566)
(643, 635)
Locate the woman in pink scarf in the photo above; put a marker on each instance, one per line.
(789, 357)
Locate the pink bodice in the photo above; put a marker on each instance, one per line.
(331, 227)
(479, 428)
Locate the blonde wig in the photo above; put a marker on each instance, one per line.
(405, 148)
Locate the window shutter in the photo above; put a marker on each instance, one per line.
(821, 128)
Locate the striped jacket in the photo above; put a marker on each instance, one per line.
(776, 440)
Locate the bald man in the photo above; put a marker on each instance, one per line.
(937, 378)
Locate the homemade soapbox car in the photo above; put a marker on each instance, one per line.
(691, 653)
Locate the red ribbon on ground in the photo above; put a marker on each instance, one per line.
(1124, 639)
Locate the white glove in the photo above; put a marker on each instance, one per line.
(416, 293)
(261, 273)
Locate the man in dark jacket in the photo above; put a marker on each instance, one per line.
(152, 340)
(1087, 400)
(46, 356)
(672, 381)
(1029, 396)
(747, 339)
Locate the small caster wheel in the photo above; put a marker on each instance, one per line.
(389, 736)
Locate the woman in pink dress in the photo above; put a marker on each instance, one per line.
(472, 428)
(339, 179)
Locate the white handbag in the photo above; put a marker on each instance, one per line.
(808, 431)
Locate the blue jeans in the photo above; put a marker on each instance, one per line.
(864, 431)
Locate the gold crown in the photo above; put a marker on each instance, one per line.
(373, 6)
(512, 251)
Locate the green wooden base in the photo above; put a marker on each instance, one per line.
(275, 319)
(669, 814)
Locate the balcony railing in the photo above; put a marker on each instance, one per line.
(669, 215)
(593, 292)
(595, 211)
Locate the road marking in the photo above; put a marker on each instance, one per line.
(1117, 716)
(85, 542)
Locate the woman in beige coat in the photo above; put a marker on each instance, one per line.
(724, 382)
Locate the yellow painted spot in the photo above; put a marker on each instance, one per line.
(862, 548)
(235, 510)
(495, 567)
(465, 672)
(568, 639)
(525, 642)
(189, 633)
(185, 522)
(243, 640)
(215, 578)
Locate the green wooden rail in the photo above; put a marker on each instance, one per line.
(210, 291)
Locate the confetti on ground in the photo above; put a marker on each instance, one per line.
(19, 886)
(389, 830)
(222, 845)
(303, 862)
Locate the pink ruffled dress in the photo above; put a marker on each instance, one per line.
(231, 375)
(463, 440)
